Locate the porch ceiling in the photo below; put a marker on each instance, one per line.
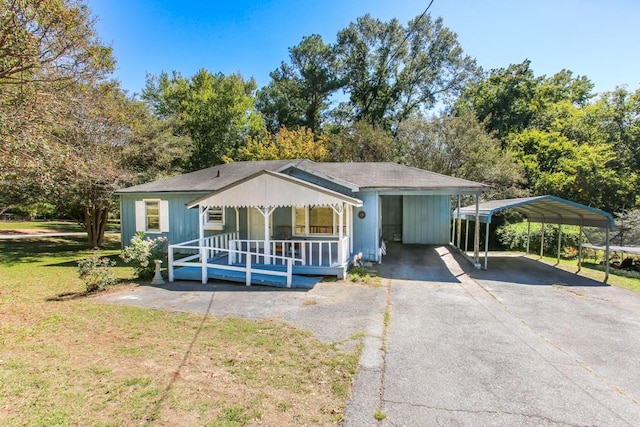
(268, 188)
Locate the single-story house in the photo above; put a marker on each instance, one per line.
(291, 216)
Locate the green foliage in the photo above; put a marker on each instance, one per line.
(143, 252)
(379, 415)
(216, 113)
(392, 71)
(96, 272)
(362, 142)
(299, 91)
(286, 144)
(359, 274)
(458, 145)
(514, 237)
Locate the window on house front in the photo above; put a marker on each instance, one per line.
(215, 218)
(321, 220)
(309, 220)
(300, 221)
(152, 215)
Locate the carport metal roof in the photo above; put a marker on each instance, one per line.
(547, 209)
(543, 209)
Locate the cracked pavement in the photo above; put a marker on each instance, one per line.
(522, 344)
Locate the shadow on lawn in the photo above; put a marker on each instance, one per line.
(42, 249)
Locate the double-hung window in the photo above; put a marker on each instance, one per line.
(152, 215)
(215, 219)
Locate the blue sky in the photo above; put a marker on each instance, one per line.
(595, 38)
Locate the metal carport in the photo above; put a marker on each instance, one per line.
(541, 209)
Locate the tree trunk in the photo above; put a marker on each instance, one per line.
(95, 222)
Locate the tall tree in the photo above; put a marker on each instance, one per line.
(362, 142)
(459, 146)
(299, 91)
(93, 127)
(297, 143)
(391, 72)
(44, 47)
(215, 111)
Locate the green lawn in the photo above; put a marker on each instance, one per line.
(590, 270)
(80, 362)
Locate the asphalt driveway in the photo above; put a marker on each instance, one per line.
(521, 344)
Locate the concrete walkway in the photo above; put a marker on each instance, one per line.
(522, 344)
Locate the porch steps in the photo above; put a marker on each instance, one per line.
(195, 273)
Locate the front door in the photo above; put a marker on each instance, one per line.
(256, 224)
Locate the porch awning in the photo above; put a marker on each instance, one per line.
(268, 188)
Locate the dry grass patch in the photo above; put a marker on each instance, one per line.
(80, 362)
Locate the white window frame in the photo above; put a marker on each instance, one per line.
(335, 225)
(142, 217)
(215, 224)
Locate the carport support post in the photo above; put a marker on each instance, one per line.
(580, 248)
(606, 257)
(486, 247)
(559, 242)
(542, 240)
(528, 234)
(466, 236)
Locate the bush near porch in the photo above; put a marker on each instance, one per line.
(67, 361)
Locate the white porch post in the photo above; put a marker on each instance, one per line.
(203, 220)
(476, 240)
(266, 213)
(350, 230)
(458, 225)
(339, 209)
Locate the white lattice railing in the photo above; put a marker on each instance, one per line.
(317, 253)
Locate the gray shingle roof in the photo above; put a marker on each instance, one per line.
(363, 175)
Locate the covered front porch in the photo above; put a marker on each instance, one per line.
(312, 236)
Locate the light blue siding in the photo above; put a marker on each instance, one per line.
(366, 231)
(183, 222)
(426, 219)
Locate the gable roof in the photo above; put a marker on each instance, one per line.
(548, 209)
(355, 176)
(270, 188)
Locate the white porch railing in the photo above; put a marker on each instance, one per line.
(200, 258)
(317, 253)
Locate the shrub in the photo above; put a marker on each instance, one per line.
(514, 237)
(359, 274)
(96, 272)
(142, 252)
